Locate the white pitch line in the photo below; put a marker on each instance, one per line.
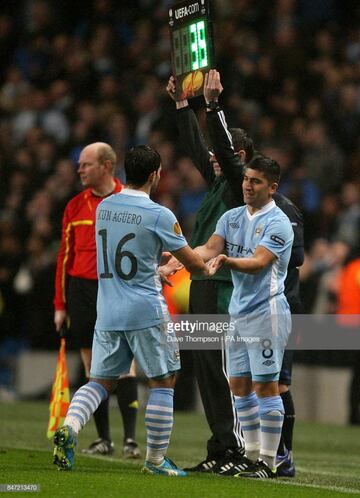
(105, 458)
(339, 489)
(326, 473)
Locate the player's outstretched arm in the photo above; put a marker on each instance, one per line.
(191, 137)
(260, 260)
(213, 247)
(171, 88)
(212, 86)
(169, 265)
(220, 137)
(192, 261)
(64, 262)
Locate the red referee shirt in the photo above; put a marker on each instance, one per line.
(77, 253)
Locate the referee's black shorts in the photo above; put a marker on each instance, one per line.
(286, 368)
(81, 308)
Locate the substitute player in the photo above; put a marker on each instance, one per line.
(131, 233)
(212, 295)
(257, 238)
(76, 286)
(224, 147)
(223, 171)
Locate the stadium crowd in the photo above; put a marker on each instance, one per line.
(77, 72)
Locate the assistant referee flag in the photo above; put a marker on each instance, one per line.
(60, 394)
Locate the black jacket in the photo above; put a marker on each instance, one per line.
(226, 191)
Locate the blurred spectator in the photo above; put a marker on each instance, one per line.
(349, 309)
(10, 260)
(76, 72)
(323, 161)
(40, 113)
(348, 230)
(33, 280)
(320, 276)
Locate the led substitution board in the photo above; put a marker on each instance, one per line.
(192, 50)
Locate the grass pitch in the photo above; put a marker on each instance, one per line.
(327, 459)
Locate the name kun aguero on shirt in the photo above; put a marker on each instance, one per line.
(119, 217)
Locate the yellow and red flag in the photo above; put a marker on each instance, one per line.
(60, 394)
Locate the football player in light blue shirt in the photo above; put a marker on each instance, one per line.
(135, 231)
(132, 232)
(257, 239)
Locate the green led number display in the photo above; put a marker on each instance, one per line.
(177, 51)
(185, 53)
(194, 48)
(199, 56)
(203, 52)
(190, 48)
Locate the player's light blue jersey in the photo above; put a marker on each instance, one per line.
(242, 233)
(131, 233)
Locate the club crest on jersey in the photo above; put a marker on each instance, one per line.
(258, 230)
(177, 228)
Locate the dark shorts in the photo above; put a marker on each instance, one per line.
(81, 307)
(286, 368)
(210, 297)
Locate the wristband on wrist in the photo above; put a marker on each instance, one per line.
(213, 105)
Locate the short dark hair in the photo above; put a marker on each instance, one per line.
(241, 141)
(140, 162)
(266, 165)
